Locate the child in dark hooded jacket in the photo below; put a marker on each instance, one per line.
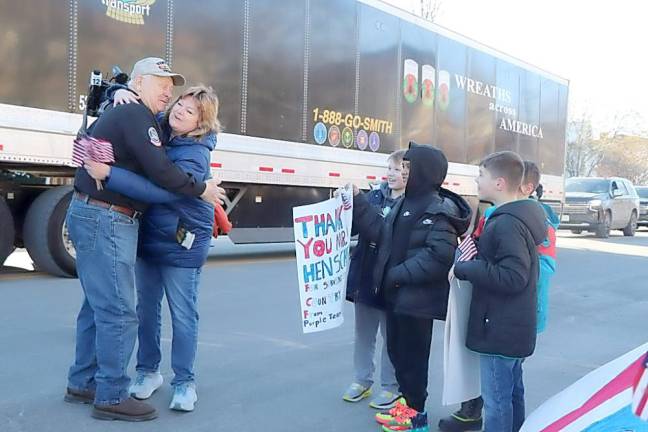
(416, 246)
(370, 316)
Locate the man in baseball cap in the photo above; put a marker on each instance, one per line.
(107, 322)
(158, 67)
(153, 82)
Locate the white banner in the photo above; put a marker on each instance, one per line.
(322, 245)
(461, 376)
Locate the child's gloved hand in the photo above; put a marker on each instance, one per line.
(458, 270)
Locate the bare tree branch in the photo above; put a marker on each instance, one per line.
(430, 9)
(624, 149)
(583, 154)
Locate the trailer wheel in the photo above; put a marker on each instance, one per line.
(45, 233)
(7, 231)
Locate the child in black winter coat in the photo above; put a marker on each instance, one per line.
(416, 245)
(370, 315)
(502, 323)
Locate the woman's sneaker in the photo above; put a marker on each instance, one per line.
(385, 400)
(356, 392)
(145, 385)
(184, 397)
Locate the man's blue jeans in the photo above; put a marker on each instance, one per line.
(503, 393)
(106, 247)
(181, 288)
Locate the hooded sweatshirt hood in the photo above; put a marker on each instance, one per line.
(428, 169)
(454, 208)
(530, 213)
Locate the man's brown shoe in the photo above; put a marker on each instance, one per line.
(130, 410)
(85, 397)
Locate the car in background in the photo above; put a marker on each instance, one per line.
(642, 191)
(598, 205)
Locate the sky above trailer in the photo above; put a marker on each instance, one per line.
(599, 46)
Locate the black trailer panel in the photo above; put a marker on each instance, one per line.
(480, 125)
(34, 53)
(508, 78)
(276, 69)
(106, 38)
(208, 41)
(417, 91)
(332, 70)
(451, 101)
(529, 113)
(378, 43)
(553, 114)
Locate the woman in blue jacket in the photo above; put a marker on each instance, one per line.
(174, 239)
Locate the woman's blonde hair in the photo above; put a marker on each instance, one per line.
(207, 103)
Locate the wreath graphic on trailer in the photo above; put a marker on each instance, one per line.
(128, 11)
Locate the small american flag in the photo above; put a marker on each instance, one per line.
(87, 147)
(347, 198)
(640, 392)
(467, 249)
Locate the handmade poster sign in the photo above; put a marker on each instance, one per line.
(322, 244)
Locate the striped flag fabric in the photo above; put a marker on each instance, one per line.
(347, 199)
(640, 392)
(601, 401)
(87, 147)
(467, 249)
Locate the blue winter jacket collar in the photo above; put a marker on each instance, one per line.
(209, 140)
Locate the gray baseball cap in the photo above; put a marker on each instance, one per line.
(158, 67)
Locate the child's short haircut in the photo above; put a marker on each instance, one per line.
(505, 164)
(397, 157)
(531, 174)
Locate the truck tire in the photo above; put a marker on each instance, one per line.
(45, 234)
(7, 231)
(603, 229)
(631, 228)
(576, 231)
